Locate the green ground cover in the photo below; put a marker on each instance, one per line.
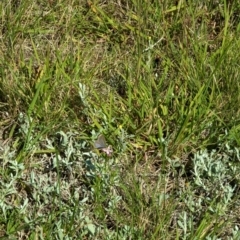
(159, 79)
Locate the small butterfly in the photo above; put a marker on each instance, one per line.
(101, 144)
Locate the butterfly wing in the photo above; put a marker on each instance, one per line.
(100, 142)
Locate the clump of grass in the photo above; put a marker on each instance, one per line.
(159, 81)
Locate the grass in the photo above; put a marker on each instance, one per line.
(159, 79)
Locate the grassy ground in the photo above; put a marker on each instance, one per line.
(159, 79)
